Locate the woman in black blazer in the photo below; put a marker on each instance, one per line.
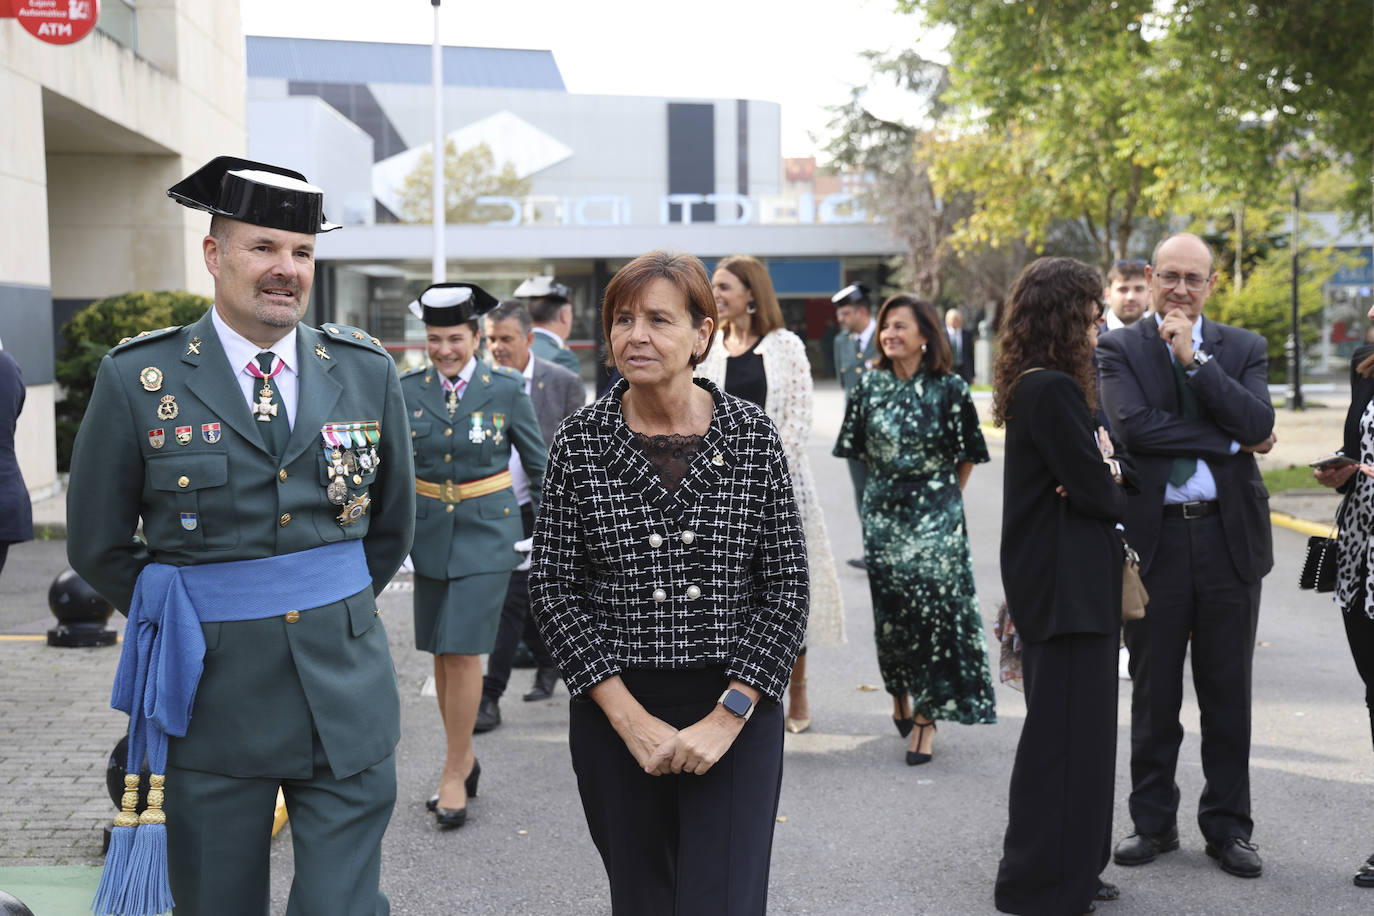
(1353, 591)
(1061, 571)
(669, 580)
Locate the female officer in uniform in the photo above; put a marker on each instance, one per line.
(465, 416)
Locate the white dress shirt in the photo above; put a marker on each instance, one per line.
(867, 334)
(240, 351)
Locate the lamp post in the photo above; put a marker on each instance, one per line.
(1295, 401)
(439, 268)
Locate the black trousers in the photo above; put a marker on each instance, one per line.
(516, 623)
(1059, 824)
(1359, 631)
(680, 845)
(1195, 594)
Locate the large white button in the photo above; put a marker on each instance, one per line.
(693, 592)
(660, 595)
(656, 540)
(689, 536)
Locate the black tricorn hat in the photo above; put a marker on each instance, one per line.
(853, 294)
(447, 304)
(254, 192)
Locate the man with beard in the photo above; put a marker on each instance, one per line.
(270, 465)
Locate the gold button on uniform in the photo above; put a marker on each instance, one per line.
(357, 479)
(448, 508)
(507, 510)
(448, 457)
(449, 431)
(293, 616)
(281, 475)
(183, 482)
(285, 519)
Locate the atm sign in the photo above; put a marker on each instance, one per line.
(58, 22)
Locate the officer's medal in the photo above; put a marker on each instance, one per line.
(264, 410)
(452, 402)
(475, 433)
(499, 421)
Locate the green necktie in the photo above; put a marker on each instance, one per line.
(270, 412)
(1183, 468)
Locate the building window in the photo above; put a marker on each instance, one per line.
(119, 20)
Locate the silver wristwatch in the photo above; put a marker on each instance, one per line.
(1200, 359)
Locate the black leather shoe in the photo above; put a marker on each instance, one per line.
(488, 716)
(1141, 848)
(1365, 876)
(470, 784)
(1236, 856)
(449, 818)
(857, 563)
(1106, 891)
(545, 679)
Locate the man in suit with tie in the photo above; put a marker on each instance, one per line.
(555, 393)
(856, 348)
(960, 344)
(1188, 400)
(269, 465)
(551, 310)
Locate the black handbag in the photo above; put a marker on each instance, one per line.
(1319, 567)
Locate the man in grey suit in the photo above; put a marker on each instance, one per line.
(555, 393)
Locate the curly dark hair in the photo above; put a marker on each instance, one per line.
(1051, 305)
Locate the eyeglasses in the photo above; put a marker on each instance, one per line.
(1194, 283)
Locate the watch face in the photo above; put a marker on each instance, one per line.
(737, 703)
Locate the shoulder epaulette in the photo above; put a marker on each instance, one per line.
(355, 336)
(143, 337)
(418, 370)
(506, 370)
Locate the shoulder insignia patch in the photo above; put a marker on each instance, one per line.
(143, 337)
(347, 334)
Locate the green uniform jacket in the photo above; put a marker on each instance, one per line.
(220, 496)
(850, 361)
(556, 352)
(475, 535)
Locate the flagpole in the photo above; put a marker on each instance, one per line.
(440, 150)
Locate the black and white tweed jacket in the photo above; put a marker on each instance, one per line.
(628, 574)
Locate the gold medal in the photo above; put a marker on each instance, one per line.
(168, 409)
(151, 377)
(356, 509)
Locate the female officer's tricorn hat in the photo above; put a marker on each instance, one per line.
(447, 304)
(853, 294)
(254, 192)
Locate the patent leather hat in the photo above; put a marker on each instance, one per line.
(447, 304)
(853, 294)
(254, 192)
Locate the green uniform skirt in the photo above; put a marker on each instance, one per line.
(459, 616)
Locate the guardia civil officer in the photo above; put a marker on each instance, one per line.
(269, 465)
(856, 350)
(465, 416)
(551, 309)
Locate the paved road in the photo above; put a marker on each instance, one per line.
(863, 833)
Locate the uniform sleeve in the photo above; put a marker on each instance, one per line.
(768, 644)
(104, 493)
(965, 432)
(392, 528)
(558, 578)
(853, 438)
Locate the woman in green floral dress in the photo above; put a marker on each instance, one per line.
(913, 421)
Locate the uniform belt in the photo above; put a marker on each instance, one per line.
(450, 492)
(1191, 510)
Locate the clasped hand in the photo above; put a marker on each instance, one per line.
(661, 749)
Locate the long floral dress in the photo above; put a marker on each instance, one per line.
(926, 623)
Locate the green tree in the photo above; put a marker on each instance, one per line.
(92, 331)
(467, 176)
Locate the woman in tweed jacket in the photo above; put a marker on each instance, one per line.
(669, 579)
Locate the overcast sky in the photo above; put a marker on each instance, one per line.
(803, 54)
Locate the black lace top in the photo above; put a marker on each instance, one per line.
(671, 455)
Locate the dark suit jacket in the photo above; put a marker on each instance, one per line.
(556, 393)
(16, 512)
(1139, 394)
(1061, 557)
(963, 359)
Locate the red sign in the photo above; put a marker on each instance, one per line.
(58, 22)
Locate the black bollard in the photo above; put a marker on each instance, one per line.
(9, 906)
(81, 613)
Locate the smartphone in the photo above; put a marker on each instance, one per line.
(1333, 461)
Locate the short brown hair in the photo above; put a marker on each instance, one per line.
(751, 272)
(684, 271)
(937, 357)
(1126, 270)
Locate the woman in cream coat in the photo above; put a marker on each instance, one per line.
(758, 359)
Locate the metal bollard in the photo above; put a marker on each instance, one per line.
(11, 906)
(81, 613)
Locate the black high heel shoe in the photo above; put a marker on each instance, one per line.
(904, 725)
(916, 758)
(470, 784)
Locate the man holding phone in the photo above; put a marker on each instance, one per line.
(1187, 398)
